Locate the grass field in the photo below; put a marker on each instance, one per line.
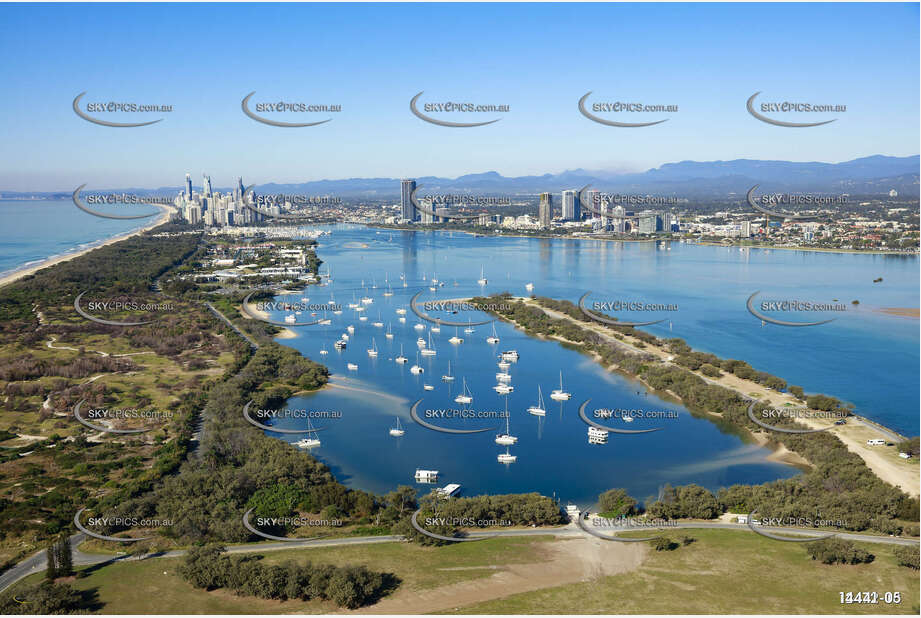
(726, 572)
(154, 587)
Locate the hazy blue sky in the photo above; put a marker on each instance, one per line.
(538, 58)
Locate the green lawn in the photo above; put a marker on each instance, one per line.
(153, 586)
(725, 572)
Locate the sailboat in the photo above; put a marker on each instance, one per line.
(401, 359)
(430, 349)
(388, 334)
(448, 377)
(416, 369)
(309, 442)
(323, 350)
(455, 339)
(482, 280)
(372, 351)
(538, 410)
(465, 396)
(435, 328)
(559, 394)
(380, 322)
(470, 328)
(398, 430)
(529, 286)
(506, 457)
(506, 438)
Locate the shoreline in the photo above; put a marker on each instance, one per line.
(813, 249)
(25, 271)
(643, 240)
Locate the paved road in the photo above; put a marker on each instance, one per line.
(36, 562)
(224, 319)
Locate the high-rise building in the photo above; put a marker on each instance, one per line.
(407, 211)
(206, 185)
(590, 201)
(188, 186)
(745, 229)
(545, 210)
(238, 195)
(649, 222)
(569, 206)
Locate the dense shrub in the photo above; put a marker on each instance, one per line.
(838, 551)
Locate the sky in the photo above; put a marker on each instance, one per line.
(372, 59)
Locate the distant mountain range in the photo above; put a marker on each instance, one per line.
(693, 179)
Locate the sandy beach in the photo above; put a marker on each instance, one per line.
(905, 312)
(23, 272)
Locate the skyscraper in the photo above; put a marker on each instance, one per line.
(569, 206)
(591, 201)
(206, 185)
(407, 211)
(545, 210)
(188, 187)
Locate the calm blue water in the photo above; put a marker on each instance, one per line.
(864, 357)
(34, 230)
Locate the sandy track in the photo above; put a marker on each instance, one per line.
(564, 562)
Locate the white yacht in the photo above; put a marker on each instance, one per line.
(504, 377)
(379, 323)
(428, 387)
(482, 280)
(351, 329)
(362, 318)
(559, 394)
(419, 326)
(503, 389)
(389, 333)
(494, 338)
(448, 377)
(429, 350)
(529, 286)
(506, 457)
(352, 367)
(504, 364)
(506, 438)
(366, 300)
(435, 329)
(311, 441)
(470, 328)
(339, 345)
(510, 355)
(420, 342)
(455, 339)
(344, 336)
(290, 318)
(465, 395)
(538, 410)
(401, 359)
(401, 311)
(323, 350)
(372, 351)
(597, 436)
(398, 430)
(402, 320)
(416, 369)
